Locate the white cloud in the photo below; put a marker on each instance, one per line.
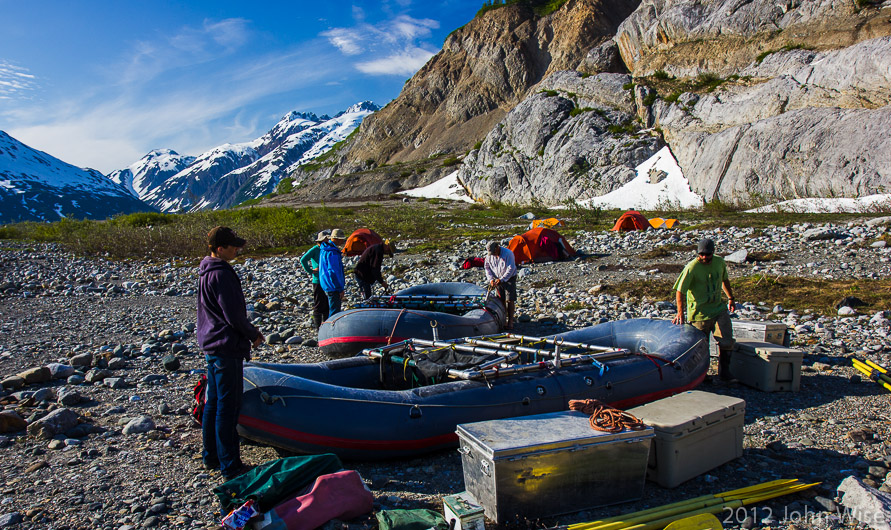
(15, 81)
(345, 40)
(393, 47)
(406, 62)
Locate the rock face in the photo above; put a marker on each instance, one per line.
(685, 37)
(575, 138)
(484, 69)
(818, 127)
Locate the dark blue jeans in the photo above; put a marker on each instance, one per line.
(334, 302)
(364, 288)
(221, 405)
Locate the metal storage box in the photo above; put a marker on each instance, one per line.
(695, 432)
(766, 366)
(773, 332)
(548, 464)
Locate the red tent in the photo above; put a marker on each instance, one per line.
(538, 245)
(632, 220)
(360, 240)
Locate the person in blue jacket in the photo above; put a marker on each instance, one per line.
(226, 337)
(310, 263)
(331, 276)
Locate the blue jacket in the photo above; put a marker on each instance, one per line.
(223, 327)
(330, 268)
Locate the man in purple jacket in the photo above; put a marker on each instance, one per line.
(225, 336)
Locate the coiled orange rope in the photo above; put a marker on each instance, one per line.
(605, 418)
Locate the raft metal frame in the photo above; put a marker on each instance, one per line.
(508, 353)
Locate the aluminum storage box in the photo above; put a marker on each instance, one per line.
(766, 366)
(548, 464)
(695, 432)
(773, 332)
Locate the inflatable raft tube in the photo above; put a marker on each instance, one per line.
(349, 332)
(343, 406)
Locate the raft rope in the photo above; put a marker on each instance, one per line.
(605, 418)
(390, 338)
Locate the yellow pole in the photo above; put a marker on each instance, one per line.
(877, 367)
(705, 504)
(877, 378)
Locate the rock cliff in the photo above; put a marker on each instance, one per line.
(483, 70)
(757, 100)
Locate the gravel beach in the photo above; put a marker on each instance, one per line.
(108, 348)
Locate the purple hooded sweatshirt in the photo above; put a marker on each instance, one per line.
(223, 327)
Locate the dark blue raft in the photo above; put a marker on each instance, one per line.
(407, 399)
(458, 309)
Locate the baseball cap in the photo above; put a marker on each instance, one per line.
(706, 246)
(223, 236)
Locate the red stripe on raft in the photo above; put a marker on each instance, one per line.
(360, 338)
(345, 443)
(646, 398)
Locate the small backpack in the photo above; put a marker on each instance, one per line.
(200, 391)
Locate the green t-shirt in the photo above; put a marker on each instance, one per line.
(701, 284)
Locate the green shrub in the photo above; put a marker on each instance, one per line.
(673, 97)
(577, 110)
(451, 161)
(549, 93)
(628, 86)
(477, 145)
(286, 185)
(708, 81)
(650, 98)
(142, 219)
(661, 75)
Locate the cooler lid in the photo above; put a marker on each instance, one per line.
(766, 350)
(689, 411)
(541, 432)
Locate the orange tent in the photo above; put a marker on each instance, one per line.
(658, 222)
(538, 245)
(632, 220)
(550, 222)
(360, 240)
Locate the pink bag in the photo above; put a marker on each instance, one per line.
(340, 495)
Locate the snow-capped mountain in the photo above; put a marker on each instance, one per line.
(35, 186)
(232, 173)
(151, 172)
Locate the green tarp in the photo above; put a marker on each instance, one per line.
(274, 481)
(420, 519)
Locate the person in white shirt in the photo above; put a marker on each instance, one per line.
(501, 272)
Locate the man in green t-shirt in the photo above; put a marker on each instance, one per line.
(698, 291)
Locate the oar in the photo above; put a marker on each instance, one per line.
(704, 504)
(871, 375)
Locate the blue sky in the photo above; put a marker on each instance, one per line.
(100, 83)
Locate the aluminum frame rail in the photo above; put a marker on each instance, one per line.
(507, 352)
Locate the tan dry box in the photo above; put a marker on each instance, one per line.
(766, 366)
(695, 432)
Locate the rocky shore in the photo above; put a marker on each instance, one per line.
(98, 359)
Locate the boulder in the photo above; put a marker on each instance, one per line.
(56, 422)
(10, 421)
(41, 374)
(13, 383)
(139, 425)
(866, 504)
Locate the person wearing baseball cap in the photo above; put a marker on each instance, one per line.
(698, 292)
(226, 337)
(331, 277)
(310, 264)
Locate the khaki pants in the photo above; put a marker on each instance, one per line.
(722, 329)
